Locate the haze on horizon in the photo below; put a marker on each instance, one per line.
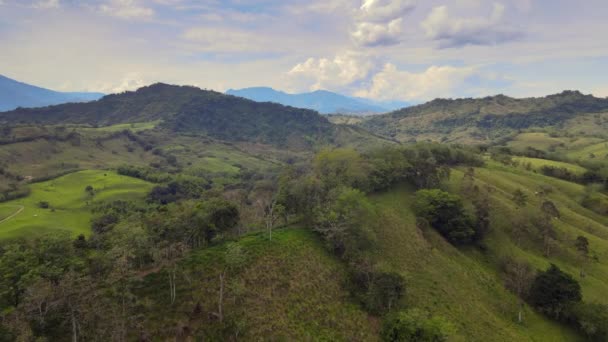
(381, 49)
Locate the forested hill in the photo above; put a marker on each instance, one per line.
(184, 109)
(479, 120)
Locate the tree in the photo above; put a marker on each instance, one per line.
(445, 212)
(18, 269)
(234, 259)
(520, 198)
(582, 247)
(592, 320)
(340, 167)
(168, 256)
(481, 203)
(384, 291)
(468, 181)
(549, 211)
(273, 212)
(518, 277)
(553, 291)
(346, 223)
(416, 326)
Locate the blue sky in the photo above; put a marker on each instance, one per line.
(412, 50)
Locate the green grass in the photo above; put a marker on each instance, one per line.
(537, 164)
(540, 141)
(288, 289)
(134, 127)
(6, 211)
(70, 204)
(458, 284)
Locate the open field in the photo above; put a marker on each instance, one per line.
(69, 203)
(537, 164)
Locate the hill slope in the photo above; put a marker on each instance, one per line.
(322, 101)
(480, 120)
(187, 110)
(15, 94)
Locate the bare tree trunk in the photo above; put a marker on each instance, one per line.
(172, 285)
(520, 313)
(74, 327)
(220, 308)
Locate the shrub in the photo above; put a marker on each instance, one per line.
(445, 212)
(553, 291)
(415, 325)
(592, 320)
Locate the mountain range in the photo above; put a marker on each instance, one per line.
(325, 102)
(14, 94)
(479, 120)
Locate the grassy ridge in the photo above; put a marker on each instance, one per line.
(461, 286)
(537, 164)
(288, 289)
(69, 202)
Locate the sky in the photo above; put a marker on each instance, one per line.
(408, 50)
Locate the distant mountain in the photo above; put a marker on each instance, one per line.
(190, 110)
(324, 102)
(483, 119)
(14, 94)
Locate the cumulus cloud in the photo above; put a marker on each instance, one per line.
(384, 10)
(131, 81)
(458, 32)
(126, 9)
(338, 73)
(374, 34)
(436, 81)
(380, 22)
(364, 76)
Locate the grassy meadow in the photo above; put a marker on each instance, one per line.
(69, 203)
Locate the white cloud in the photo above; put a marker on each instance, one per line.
(600, 92)
(436, 81)
(457, 32)
(374, 34)
(379, 22)
(126, 9)
(342, 71)
(45, 4)
(131, 81)
(385, 10)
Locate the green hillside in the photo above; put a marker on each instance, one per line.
(487, 119)
(188, 110)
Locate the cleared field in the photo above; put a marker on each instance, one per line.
(575, 220)
(134, 127)
(540, 141)
(69, 203)
(7, 211)
(537, 164)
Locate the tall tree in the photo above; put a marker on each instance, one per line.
(518, 277)
(553, 291)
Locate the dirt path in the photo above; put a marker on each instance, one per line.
(13, 215)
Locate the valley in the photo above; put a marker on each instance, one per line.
(221, 217)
